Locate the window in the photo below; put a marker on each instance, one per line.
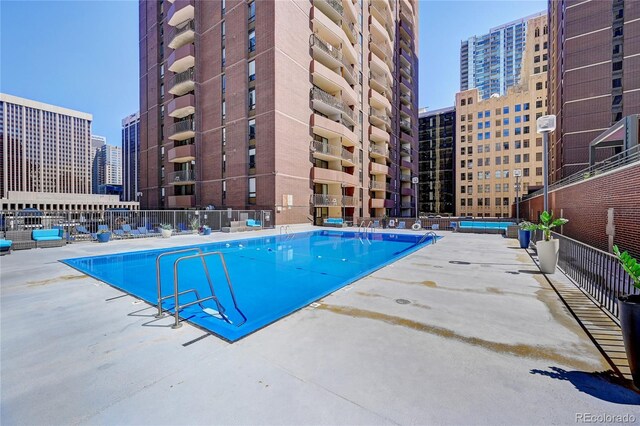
(525, 143)
(480, 175)
(487, 124)
(223, 83)
(480, 125)
(224, 6)
(252, 41)
(223, 28)
(487, 114)
(463, 151)
(505, 110)
(538, 171)
(526, 106)
(526, 158)
(479, 149)
(252, 158)
(498, 146)
(498, 174)
(252, 128)
(224, 56)
(517, 158)
(480, 190)
(498, 187)
(538, 141)
(617, 100)
(505, 160)
(252, 190)
(252, 11)
(525, 172)
(463, 102)
(617, 82)
(537, 47)
(526, 130)
(479, 114)
(518, 131)
(538, 156)
(525, 118)
(505, 120)
(505, 173)
(505, 201)
(539, 85)
(224, 110)
(536, 59)
(463, 202)
(224, 136)
(487, 175)
(479, 136)
(498, 111)
(487, 135)
(498, 161)
(252, 70)
(518, 144)
(499, 133)
(252, 99)
(470, 101)
(480, 162)
(463, 190)
(463, 176)
(505, 146)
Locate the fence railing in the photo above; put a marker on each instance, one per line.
(187, 221)
(629, 156)
(595, 271)
(441, 223)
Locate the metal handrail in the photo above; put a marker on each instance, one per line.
(629, 156)
(188, 25)
(160, 313)
(334, 52)
(428, 234)
(177, 306)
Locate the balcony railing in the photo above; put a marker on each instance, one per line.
(382, 117)
(405, 125)
(383, 186)
(183, 77)
(349, 201)
(321, 200)
(182, 126)
(322, 96)
(405, 178)
(407, 205)
(379, 150)
(180, 29)
(351, 30)
(335, 5)
(333, 150)
(314, 40)
(182, 176)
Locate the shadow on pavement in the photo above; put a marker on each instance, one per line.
(605, 385)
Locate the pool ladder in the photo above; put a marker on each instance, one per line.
(365, 229)
(429, 234)
(177, 293)
(287, 232)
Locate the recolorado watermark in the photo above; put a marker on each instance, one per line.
(605, 418)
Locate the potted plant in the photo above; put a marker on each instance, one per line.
(103, 236)
(384, 221)
(524, 233)
(166, 230)
(194, 224)
(205, 230)
(630, 315)
(548, 248)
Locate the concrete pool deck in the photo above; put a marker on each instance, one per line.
(483, 340)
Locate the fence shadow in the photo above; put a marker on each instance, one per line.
(604, 385)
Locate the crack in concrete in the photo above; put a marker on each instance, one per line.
(60, 278)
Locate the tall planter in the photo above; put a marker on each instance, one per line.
(630, 324)
(103, 237)
(166, 233)
(548, 255)
(524, 236)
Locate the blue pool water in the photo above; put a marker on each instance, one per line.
(485, 225)
(272, 276)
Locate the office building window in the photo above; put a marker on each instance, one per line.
(252, 158)
(224, 110)
(252, 190)
(252, 128)
(224, 83)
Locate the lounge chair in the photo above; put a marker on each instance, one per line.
(48, 238)
(5, 247)
(83, 232)
(402, 225)
(334, 221)
(182, 227)
(144, 232)
(376, 224)
(129, 232)
(253, 223)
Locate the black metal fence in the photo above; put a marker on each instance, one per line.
(597, 272)
(179, 220)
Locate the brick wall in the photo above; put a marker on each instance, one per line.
(585, 204)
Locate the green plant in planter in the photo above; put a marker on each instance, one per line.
(194, 224)
(629, 264)
(166, 226)
(527, 226)
(547, 223)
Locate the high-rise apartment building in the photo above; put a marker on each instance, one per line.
(497, 136)
(594, 76)
(97, 142)
(131, 157)
(44, 148)
(109, 169)
(309, 109)
(492, 62)
(436, 187)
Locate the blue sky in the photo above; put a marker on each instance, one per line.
(84, 54)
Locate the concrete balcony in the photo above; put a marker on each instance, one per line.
(378, 135)
(375, 185)
(406, 10)
(406, 138)
(405, 85)
(182, 106)
(379, 32)
(349, 201)
(325, 52)
(183, 33)
(379, 66)
(379, 101)
(326, 28)
(182, 154)
(405, 109)
(407, 29)
(180, 11)
(379, 169)
(407, 191)
(351, 14)
(331, 81)
(380, 119)
(405, 177)
(333, 9)
(182, 177)
(404, 164)
(329, 105)
(329, 129)
(182, 83)
(330, 152)
(376, 151)
(407, 205)
(381, 85)
(182, 58)
(182, 130)
(350, 29)
(326, 200)
(381, 203)
(330, 176)
(405, 125)
(181, 201)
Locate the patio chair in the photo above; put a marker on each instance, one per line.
(83, 232)
(129, 232)
(402, 225)
(143, 232)
(376, 224)
(5, 247)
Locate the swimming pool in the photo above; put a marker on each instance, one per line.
(271, 276)
(485, 225)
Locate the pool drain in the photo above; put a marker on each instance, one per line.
(402, 301)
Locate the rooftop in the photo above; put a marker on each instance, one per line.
(484, 339)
